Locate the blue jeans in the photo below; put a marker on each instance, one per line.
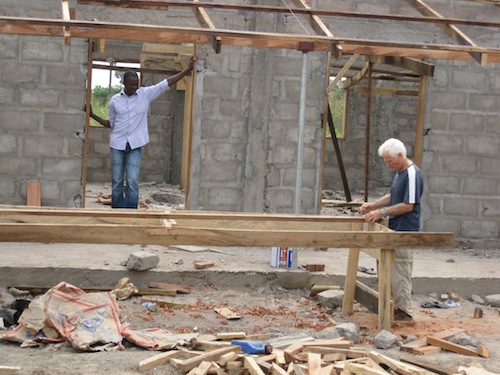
(125, 161)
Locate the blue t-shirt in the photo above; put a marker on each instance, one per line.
(407, 188)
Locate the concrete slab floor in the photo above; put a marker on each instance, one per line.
(459, 271)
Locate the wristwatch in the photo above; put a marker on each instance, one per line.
(383, 212)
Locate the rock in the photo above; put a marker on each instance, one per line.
(349, 331)
(464, 339)
(409, 338)
(331, 298)
(384, 340)
(477, 299)
(6, 299)
(493, 300)
(142, 261)
(19, 293)
(328, 334)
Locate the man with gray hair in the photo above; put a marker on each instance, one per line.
(402, 206)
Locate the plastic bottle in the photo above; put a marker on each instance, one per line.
(253, 347)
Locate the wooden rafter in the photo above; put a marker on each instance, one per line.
(342, 72)
(352, 80)
(205, 21)
(66, 17)
(453, 31)
(419, 67)
(319, 26)
(123, 31)
(145, 4)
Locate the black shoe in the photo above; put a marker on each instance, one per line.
(400, 315)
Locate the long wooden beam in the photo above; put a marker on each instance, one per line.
(121, 31)
(199, 228)
(145, 4)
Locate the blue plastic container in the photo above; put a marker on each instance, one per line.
(253, 347)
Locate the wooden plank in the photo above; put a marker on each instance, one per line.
(426, 350)
(327, 370)
(209, 236)
(359, 369)
(8, 370)
(438, 369)
(252, 366)
(276, 370)
(117, 31)
(387, 91)
(385, 311)
(419, 343)
(202, 369)
(447, 345)
(214, 355)
(313, 363)
(92, 289)
(418, 149)
(227, 313)
(203, 265)
(33, 194)
(351, 276)
(398, 366)
(231, 335)
(164, 303)
(157, 360)
(182, 289)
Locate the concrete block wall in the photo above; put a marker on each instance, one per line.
(462, 153)
(246, 129)
(41, 100)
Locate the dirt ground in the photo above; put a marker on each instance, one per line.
(267, 310)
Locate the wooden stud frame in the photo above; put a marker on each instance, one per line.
(50, 225)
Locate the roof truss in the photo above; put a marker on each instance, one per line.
(209, 33)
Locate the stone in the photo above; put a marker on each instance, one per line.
(349, 331)
(384, 340)
(493, 300)
(331, 298)
(142, 261)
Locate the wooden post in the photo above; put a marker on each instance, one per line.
(419, 133)
(33, 196)
(385, 314)
(351, 275)
(367, 129)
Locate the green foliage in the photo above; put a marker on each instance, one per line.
(336, 101)
(99, 101)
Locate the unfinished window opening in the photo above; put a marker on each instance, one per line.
(337, 99)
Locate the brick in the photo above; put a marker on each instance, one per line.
(480, 185)
(14, 72)
(483, 145)
(39, 98)
(467, 123)
(8, 143)
(142, 261)
(461, 206)
(484, 102)
(41, 50)
(57, 167)
(479, 229)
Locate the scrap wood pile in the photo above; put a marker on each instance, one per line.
(318, 357)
